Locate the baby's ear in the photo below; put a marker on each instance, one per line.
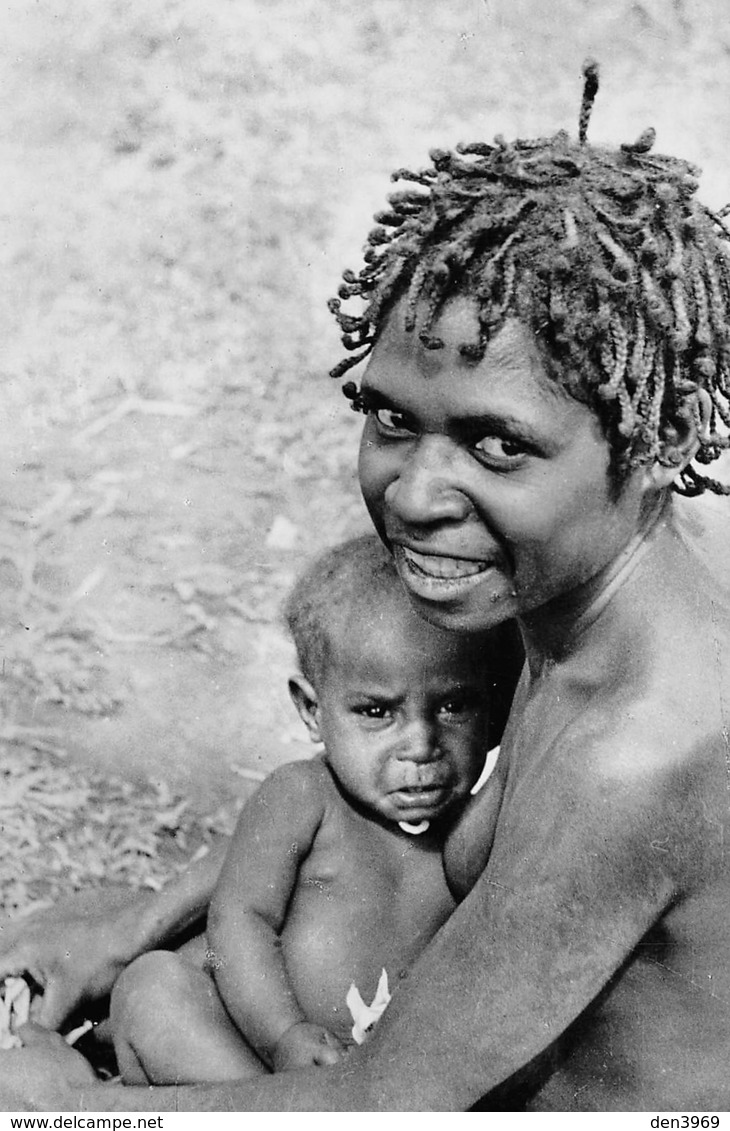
(304, 698)
(681, 439)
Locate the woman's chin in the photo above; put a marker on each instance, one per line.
(470, 603)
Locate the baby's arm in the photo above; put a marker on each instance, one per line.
(275, 832)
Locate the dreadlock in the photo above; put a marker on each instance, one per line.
(622, 275)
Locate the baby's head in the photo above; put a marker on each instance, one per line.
(406, 711)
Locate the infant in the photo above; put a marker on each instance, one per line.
(335, 871)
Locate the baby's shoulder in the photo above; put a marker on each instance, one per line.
(305, 784)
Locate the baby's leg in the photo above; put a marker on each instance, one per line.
(170, 1026)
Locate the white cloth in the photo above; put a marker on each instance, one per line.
(489, 765)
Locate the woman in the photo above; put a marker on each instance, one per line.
(548, 355)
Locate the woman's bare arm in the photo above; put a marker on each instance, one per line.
(76, 950)
(571, 888)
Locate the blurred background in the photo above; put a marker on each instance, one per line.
(183, 183)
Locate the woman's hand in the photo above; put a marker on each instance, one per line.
(44, 1075)
(74, 951)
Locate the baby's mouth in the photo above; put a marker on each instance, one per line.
(421, 796)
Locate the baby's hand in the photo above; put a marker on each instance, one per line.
(304, 1045)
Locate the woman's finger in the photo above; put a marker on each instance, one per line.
(58, 1001)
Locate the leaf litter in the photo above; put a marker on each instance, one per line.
(64, 830)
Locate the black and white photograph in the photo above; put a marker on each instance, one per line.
(365, 558)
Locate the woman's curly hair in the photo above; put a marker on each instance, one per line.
(606, 254)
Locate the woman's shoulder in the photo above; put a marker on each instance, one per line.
(649, 757)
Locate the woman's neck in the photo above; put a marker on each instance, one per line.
(555, 630)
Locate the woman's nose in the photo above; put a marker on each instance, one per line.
(425, 490)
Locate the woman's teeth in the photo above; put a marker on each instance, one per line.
(433, 565)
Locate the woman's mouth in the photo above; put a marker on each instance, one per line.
(435, 575)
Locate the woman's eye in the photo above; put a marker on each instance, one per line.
(500, 449)
(391, 423)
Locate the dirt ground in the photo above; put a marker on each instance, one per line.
(183, 182)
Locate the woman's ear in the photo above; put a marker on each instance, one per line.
(681, 440)
(304, 698)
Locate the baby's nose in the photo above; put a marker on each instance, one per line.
(420, 742)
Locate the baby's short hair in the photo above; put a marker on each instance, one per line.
(341, 583)
(354, 579)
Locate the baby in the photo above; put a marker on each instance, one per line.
(335, 871)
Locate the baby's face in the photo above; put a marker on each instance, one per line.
(403, 715)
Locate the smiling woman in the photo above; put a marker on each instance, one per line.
(488, 480)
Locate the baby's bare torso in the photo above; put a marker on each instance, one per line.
(368, 897)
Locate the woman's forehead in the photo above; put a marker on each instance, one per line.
(509, 377)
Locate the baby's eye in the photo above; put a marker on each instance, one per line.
(373, 711)
(457, 705)
(392, 423)
(500, 449)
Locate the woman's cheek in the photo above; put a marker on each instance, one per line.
(374, 473)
